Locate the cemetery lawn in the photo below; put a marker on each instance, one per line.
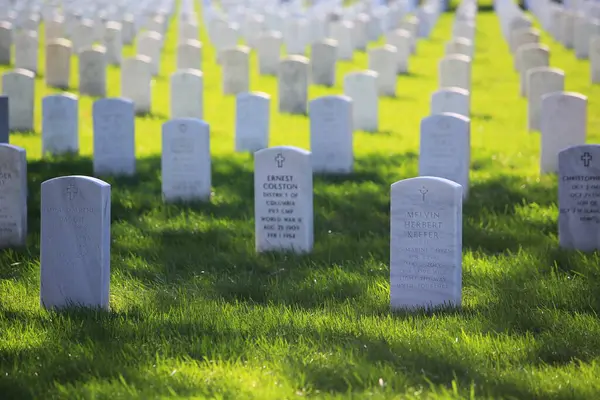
(195, 312)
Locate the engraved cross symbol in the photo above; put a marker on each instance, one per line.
(72, 192)
(279, 159)
(423, 191)
(586, 158)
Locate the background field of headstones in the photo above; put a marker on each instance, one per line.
(195, 310)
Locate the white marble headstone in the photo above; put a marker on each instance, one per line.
(451, 100)
(19, 86)
(13, 196)
(136, 80)
(114, 137)
(92, 71)
(252, 115)
(361, 87)
(236, 70)
(186, 164)
(187, 94)
(425, 243)
(541, 81)
(331, 134)
(283, 200)
(60, 124)
(58, 63)
(292, 82)
(268, 48)
(384, 61)
(531, 56)
(75, 242)
(323, 62)
(455, 71)
(189, 55)
(26, 51)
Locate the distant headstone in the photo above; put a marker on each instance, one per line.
(426, 243)
(252, 116)
(92, 71)
(445, 150)
(60, 124)
(579, 197)
(455, 71)
(401, 40)
(83, 35)
(283, 199)
(187, 94)
(75, 242)
(331, 134)
(322, 61)
(521, 37)
(236, 70)
(531, 56)
(19, 86)
(361, 87)
(149, 45)
(114, 137)
(136, 81)
(341, 32)
(460, 46)
(189, 55)
(595, 58)
(113, 42)
(292, 81)
(451, 100)
(541, 81)
(384, 61)
(268, 48)
(6, 41)
(26, 51)
(563, 120)
(186, 165)
(58, 63)
(13, 196)
(567, 29)
(585, 29)
(4, 116)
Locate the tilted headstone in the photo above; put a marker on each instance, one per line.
(283, 200)
(26, 51)
(236, 70)
(6, 41)
(383, 60)
(455, 71)
(189, 55)
(58, 63)
(13, 196)
(136, 81)
(19, 86)
(92, 71)
(579, 197)
(425, 243)
(331, 134)
(292, 82)
(451, 100)
(531, 56)
(445, 150)
(185, 162)
(541, 81)
(4, 117)
(75, 242)
(361, 87)
(252, 114)
(187, 93)
(114, 137)
(60, 124)
(323, 62)
(563, 120)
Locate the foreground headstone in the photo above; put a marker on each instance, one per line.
(361, 87)
(252, 124)
(4, 115)
(331, 134)
(563, 119)
(455, 71)
(425, 243)
(19, 86)
(136, 83)
(541, 81)
(187, 94)
(114, 137)
(451, 100)
(236, 70)
(13, 196)
(75, 242)
(579, 197)
(283, 200)
(292, 81)
(186, 165)
(445, 149)
(60, 124)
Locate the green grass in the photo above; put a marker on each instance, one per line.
(195, 312)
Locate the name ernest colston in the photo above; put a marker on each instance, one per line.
(280, 192)
(583, 193)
